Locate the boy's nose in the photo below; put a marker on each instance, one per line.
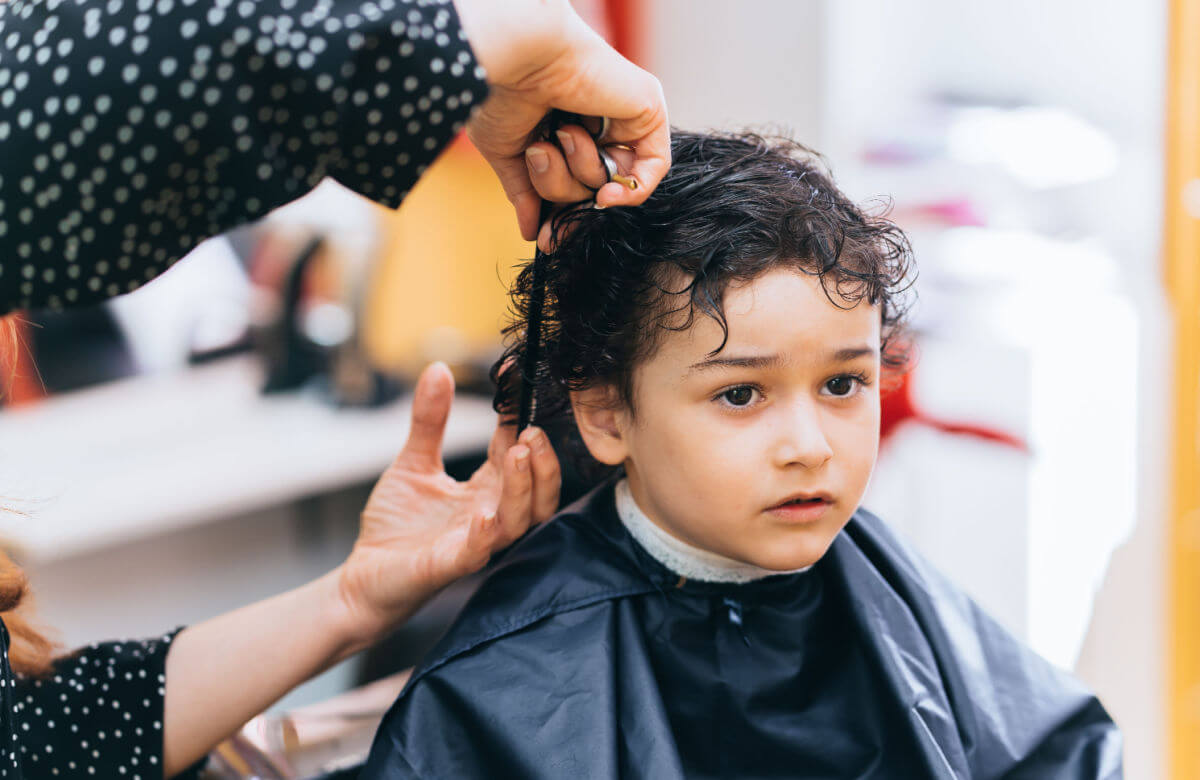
(802, 440)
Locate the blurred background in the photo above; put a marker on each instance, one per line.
(210, 439)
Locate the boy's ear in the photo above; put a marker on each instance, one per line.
(600, 417)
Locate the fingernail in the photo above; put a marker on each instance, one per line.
(567, 143)
(538, 160)
(523, 459)
(533, 439)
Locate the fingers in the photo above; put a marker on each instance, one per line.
(503, 438)
(546, 239)
(650, 165)
(514, 178)
(551, 176)
(505, 155)
(582, 156)
(528, 206)
(574, 173)
(483, 533)
(530, 485)
(547, 174)
(430, 409)
(515, 512)
(547, 479)
(626, 161)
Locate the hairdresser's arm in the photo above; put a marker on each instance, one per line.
(130, 132)
(540, 55)
(421, 530)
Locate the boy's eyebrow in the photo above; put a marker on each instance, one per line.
(843, 355)
(755, 361)
(850, 353)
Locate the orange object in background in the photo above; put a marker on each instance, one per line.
(19, 382)
(1181, 265)
(447, 256)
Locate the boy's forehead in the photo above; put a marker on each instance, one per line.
(784, 312)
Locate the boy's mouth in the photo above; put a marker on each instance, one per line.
(802, 508)
(805, 499)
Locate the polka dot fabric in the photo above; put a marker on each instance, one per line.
(131, 130)
(99, 714)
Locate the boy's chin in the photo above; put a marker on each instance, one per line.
(789, 557)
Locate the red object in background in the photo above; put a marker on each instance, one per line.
(897, 406)
(19, 380)
(625, 24)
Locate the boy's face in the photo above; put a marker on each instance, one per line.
(788, 409)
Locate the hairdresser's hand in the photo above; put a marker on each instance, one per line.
(540, 55)
(573, 172)
(422, 530)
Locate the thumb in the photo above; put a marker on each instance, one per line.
(430, 409)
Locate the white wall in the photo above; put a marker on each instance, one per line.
(739, 64)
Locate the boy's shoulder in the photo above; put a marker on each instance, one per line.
(581, 558)
(1005, 704)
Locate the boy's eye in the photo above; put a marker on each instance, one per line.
(842, 385)
(739, 396)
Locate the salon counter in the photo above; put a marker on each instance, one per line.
(150, 455)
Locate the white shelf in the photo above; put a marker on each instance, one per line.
(148, 455)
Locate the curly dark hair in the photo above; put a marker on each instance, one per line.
(732, 207)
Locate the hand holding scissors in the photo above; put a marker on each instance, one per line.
(540, 56)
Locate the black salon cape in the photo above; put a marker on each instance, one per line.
(583, 657)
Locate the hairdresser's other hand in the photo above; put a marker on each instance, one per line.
(540, 55)
(421, 530)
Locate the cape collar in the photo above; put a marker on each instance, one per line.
(677, 555)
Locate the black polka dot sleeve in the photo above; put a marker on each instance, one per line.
(99, 714)
(130, 130)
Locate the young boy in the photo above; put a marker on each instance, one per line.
(721, 606)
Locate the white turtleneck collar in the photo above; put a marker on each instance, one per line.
(677, 555)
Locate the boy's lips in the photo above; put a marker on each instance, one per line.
(802, 498)
(802, 507)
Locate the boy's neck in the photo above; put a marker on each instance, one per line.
(682, 558)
